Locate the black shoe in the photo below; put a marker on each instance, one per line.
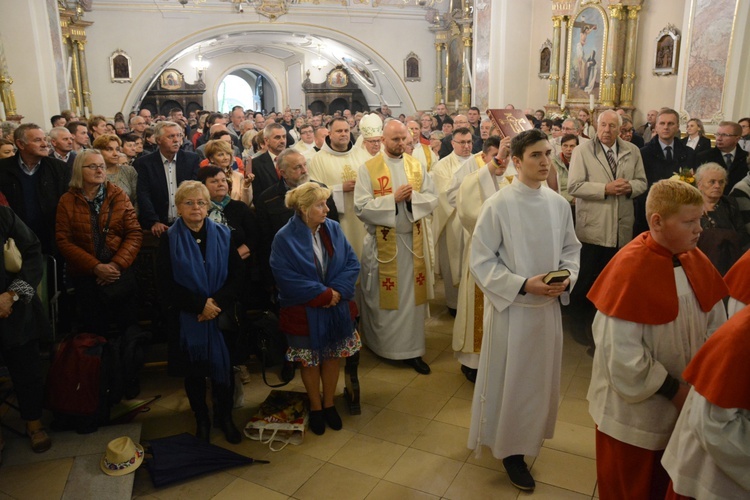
(418, 364)
(469, 373)
(452, 312)
(317, 422)
(332, 418)
(230, 431)
(203, 429)
(518, 472)
(287, 371)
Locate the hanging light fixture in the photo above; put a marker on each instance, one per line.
(200, 65)
(319, 63)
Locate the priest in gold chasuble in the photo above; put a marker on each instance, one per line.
(392, 197)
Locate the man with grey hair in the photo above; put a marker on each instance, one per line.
(159, 175)
(62, 145)
(138, 125)
(606, 174)
(146, 115)
(647, 129)
(264, 166)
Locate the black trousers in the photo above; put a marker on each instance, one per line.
(222, 395)
(594, 259)
(25, 370)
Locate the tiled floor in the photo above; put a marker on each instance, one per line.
(409, 442)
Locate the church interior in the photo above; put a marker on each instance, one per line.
(101, 57)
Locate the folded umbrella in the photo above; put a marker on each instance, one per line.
(180, 457)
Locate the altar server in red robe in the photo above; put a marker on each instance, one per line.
(658, 300)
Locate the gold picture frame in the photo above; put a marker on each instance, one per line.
(586, 54)
(120, 67)
(171, 79)
(667, 51)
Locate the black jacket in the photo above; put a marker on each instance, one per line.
(265, 173)
(52, 183)
(153, 193)
(704, 144)
(736, 171)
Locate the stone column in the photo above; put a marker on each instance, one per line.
(466, 34)
(85, 91)
(609, 85)
(76, 79)
(440, 63)
(628, 75)
(554, 69)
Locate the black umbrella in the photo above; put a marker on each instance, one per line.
(180, 457)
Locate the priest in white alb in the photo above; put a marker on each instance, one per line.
(446, 227)
(393, 197)
(306, 143)
(473, 191)
(336, 166)
(523, 232)
(422, 151)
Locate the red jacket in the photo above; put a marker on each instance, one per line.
(74, 232)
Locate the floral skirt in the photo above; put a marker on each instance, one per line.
(307, 357)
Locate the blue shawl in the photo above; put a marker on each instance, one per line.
(298, 281)
(203, 340)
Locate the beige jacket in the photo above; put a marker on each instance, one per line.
(604, 220)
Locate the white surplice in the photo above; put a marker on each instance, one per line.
(333, 168)
(306, 150)
(474, 190)
(474, 163)
(446, 228)
(392, 334)
(521, 232)
(631, 362)
(708, 455)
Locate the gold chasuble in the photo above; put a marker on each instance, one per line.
(380, 177)
(428, 155)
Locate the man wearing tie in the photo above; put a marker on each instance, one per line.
(159, 175)
(606, 173)
(727, 153)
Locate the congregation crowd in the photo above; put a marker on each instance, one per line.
(342, 223)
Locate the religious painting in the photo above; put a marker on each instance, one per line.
(667, 51)
(587, 40)
(455, 67)
(338, 78)
(545, 59)
(171, 79)
(120, 69)
(412, 68)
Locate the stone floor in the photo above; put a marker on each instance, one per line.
(408, 443)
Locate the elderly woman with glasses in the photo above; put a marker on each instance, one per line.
(200, 274)
(98, 234)
(724, 236)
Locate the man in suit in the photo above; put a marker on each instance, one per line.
(159, 175)
(727, 153)
(62, 146)
(264, 166)
(33, 182)
(627, 133)
(663, 156)
(606, 173)
(745, 139)
(647, 129)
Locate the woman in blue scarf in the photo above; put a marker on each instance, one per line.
(200, 274)
(315, 270)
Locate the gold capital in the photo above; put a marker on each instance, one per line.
(556, 21)
(633, 11)
(617, 11)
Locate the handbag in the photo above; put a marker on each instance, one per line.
(282, 418)
(11, 253)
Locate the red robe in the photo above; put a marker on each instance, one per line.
(738, 279)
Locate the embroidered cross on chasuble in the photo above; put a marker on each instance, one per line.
(382, 185)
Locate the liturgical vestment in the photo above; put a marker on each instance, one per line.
(333, 168)
(474, 190)
(521, 232)
(393, 333)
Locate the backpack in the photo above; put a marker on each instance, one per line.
(83, 383)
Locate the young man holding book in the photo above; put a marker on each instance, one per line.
(523, 232)
(657, 302)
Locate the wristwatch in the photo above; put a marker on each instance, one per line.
(13, 295)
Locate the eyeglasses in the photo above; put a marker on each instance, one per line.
(191, 203)
(96, 167)
(464, 143)
(372, 141)
(725, 135)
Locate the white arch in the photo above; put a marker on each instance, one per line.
(162, 60)
(279, 91)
